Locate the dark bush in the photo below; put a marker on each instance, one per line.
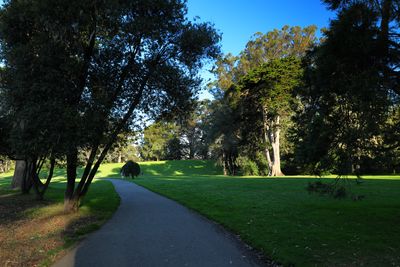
(130, 169)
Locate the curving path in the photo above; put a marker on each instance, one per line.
(150, 230)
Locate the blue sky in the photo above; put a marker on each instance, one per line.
(238, 20)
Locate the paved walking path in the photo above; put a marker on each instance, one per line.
(150, 230)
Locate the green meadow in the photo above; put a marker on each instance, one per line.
(280, 218)
(276, 216)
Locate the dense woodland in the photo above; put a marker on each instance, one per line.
(293, 103)
(80, 79)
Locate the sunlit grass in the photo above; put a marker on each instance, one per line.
(275, 215)
(281, 219)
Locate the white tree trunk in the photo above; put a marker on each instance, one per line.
(272, 137)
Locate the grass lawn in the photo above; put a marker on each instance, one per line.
(280, 218)
(275, 215)
(35, 233)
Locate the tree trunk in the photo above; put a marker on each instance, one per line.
(19, 174)
(119, 157)
(272, 137)
(71, 205)
(224, 163)
(71, 200)
(276, 164)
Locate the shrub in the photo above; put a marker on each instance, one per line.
(247, 166)
(130, 169)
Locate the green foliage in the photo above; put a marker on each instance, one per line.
(258, 87)
(155, 140)
(276, 44)
(347, 98)
(222, 135)
(173, 149)
(247, 166)
(79, 73)
(184, 136)
(272, 85)
(130, 169)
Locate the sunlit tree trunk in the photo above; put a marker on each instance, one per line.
(272, 138)
(119, 157)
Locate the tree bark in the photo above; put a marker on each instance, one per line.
(41, 188)
(19, 174)
(272, 137)
(276, 167)
(71, 200)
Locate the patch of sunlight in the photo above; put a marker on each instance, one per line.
(172, 179)
(153, 172)
(7, 174)
(178, 173)
(46, 211)
(199, 167)
(152, 163)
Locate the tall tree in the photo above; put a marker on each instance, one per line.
(232, 73)
(386, 22)
(267, 92)
(156, 138)
(346, 102)
(110, 62)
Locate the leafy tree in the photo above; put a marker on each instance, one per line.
(268, 92)
(108, 63)
(386, 19)
(156, 138)
(35, 81)
(254, 97)
(223, 135)
(345, 105)
(193, 131)
(183, 137)
(173, 149)
(287, 42)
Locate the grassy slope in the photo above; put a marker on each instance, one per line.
(278, 216)
(24, 242)
(275, 215)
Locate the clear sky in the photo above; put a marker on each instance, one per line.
(238, 20)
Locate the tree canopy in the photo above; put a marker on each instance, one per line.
(77, 73)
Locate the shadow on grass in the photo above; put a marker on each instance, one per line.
(33, 224)
(15, 207)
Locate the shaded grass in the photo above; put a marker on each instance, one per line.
(275, 215)
(279, 217)
(38, 232)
